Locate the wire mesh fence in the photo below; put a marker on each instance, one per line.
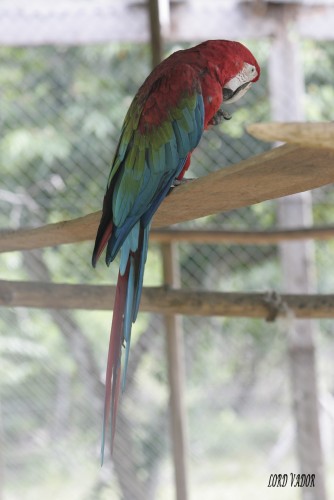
(61, 113)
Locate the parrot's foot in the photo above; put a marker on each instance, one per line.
(178, 182)
(219, 117)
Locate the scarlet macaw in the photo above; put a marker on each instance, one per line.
(178, 101)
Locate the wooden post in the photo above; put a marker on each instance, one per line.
(297, 258)
(155, 31)
(175, 357)
(174, 334)
(2, 462)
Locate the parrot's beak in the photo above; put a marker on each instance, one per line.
(240, 83)
(230, 95)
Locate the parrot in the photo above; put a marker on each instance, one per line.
(177, 102)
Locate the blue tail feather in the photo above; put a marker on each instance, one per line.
(128, 316)
(133, 259)
(141, 267)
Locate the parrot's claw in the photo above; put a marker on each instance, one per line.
(219, 116)
(178, 182)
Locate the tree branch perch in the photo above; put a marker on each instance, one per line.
(279, 172)
(164, 301)
(311, 135)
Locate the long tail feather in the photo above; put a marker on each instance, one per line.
(137, 260)
(128, 293)
(114, 360)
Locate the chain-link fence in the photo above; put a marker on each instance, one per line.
(61, 110)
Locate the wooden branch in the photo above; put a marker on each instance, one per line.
(313, 135)
(214, 236)
(166, 301)
(279, 172)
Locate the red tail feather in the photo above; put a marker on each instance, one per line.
(113, 373)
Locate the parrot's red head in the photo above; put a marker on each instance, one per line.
(239, 69)
(236, 67)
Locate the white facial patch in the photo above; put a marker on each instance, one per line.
(242, 81)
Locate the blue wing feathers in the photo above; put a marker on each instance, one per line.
(189, 118)
(182, 140)
(137, 193)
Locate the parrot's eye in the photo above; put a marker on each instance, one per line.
(249, 71)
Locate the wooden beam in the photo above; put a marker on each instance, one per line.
(199, 236)
(72, 23)
(247, 20)
(313, 135)
(215, 18)
(278, 172)
(316, 21)
(166, 301)
(81, 22)
(216, 236)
